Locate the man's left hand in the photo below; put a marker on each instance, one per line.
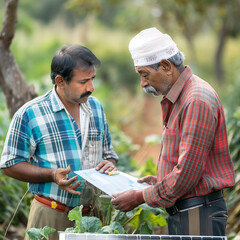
(106, 166)
(127, 201)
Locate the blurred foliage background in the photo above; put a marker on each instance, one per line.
(206, 31)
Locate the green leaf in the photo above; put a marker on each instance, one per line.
(105, 203)
(106, 230)
(155, 211)
(76, 215)
(69, 230)
(46, 231)
(34, 234)
(120, 217)
(91, 224)
(113, 228)
(135, 220)
(38, 233)
(146, 229)
(117, 226)
(159, 220)
(107, 210)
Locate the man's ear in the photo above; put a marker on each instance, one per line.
(166, 66)
(59, 81)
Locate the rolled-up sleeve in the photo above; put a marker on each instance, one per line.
(17, 146)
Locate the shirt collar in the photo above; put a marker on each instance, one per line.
(58, 105)
(178, 86)
(55, 101)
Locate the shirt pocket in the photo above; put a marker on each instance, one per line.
(95, 135)
(95, 147)
(170, 146)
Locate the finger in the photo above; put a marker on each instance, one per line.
(66, 170)
(100, 165)
(117, 207)
(106, 166)
(141, 180)
(70, 181)
(72, 191)
(76, 185)
(114, 168)
(114, 198)
(106, 169)
(114, 202)
(65, 182)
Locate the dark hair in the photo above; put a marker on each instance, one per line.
(70, 57)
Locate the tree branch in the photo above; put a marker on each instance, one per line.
(9, 22)
(12, 82)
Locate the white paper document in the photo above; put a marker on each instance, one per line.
(111, 184)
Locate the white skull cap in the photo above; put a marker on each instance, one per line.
(150, 46)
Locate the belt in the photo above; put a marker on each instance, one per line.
(185, 204)
(57, 205)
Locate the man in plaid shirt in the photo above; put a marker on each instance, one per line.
(56, 134)
(194, 163)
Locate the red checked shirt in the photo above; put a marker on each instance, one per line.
(194, 158)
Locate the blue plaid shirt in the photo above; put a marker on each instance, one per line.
(44, 134)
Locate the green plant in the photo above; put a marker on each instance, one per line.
(11, 191)
(124, 147)
(90, 224)
(141, 220)
(233, 194)
(40, 233)
(150, 168)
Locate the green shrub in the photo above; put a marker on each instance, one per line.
(141, 220)
(233, 194)
(11, 193)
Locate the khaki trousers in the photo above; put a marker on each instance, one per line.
(41, 216)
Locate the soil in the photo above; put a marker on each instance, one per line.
(16, 233)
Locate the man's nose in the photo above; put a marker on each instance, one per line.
(143, 83)
(90, 86)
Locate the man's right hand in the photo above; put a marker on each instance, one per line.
(151, 180)
(60, 178)
(27, 172)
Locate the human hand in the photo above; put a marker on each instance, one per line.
(151, 180)
(106, 166)
(128, 200)
(60, 178)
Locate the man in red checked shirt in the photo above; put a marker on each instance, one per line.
(194, 163)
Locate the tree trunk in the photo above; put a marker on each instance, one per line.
(219, 70)
(12, 82)
(189, 35)
(190, 40)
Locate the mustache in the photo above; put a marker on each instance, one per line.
(85, 94)
(150, 89)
